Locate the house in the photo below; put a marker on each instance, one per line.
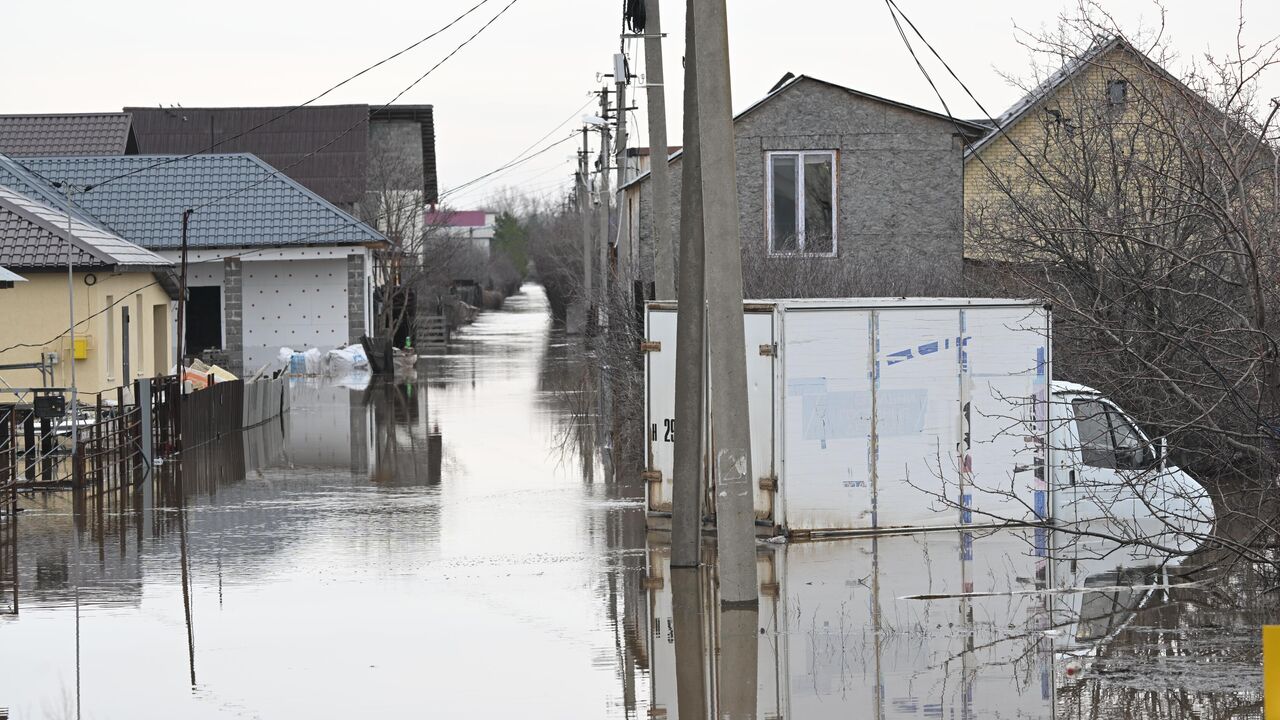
(67, 134)
(271, 264)
(121, 294)
(832, 180)
(1037, 153)
(8, 278)
(339, 152)
(466, 238)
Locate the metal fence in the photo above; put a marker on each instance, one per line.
(122, 432)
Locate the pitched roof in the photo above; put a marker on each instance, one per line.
(69, 134)
(7, 276)
(459, 218)
(1041, 92)
(36, 235)
(267, 208)
(324, 147)
(789, 81)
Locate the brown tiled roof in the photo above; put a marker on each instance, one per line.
(324, 147)
(72, 134)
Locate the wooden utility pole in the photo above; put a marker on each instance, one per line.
(688, 472)
(726, 357)
(664, 270)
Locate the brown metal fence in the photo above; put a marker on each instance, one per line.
(36, 452)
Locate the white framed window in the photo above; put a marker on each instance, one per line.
(801, 202)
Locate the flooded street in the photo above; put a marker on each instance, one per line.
(447, 547)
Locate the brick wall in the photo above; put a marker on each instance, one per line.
(233, 312)
(355, 297)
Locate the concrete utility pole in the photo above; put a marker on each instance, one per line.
(603, 291)
(688, 473)
(664, 270)
(624, 249)
(584, 209)
(726, 357)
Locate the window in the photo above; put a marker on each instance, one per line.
(802, 203)
(1096, 448)
(1117, 92)
(1109, 440)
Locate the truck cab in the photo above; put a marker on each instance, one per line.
(1114, 480)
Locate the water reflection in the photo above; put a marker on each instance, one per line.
(448, 545)
(943, 625)
(418, 547)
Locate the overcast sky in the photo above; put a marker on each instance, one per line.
(533, 67)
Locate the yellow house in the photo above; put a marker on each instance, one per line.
(120, 295)
(1042, 145)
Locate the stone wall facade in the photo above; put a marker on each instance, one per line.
(899, 180)
(355, 297)
(233, 313)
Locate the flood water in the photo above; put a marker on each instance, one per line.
(449, 546)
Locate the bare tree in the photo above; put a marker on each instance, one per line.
(1144, 209)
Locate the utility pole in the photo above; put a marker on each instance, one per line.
(726, 358)
(584, 210)
(687, 469)
(603, 291)
(664, 270)
(620, 83)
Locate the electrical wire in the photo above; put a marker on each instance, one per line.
(510, 165)
(344, 133)
(295, 108)
(518, 157)
(895, 12)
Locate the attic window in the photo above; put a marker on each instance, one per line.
(1117, 92)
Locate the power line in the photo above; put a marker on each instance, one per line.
(1238, 399)
(510, 165)
(344, 133)
(295, 108)
(521, 154)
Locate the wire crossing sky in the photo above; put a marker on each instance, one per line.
(524, 74)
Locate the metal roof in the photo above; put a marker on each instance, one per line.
(37, 235)
(69, 134)
(324, 147)
(1046, 88)
(267, 209)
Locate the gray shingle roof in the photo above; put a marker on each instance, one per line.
(36, 235)
(146, 207)
(76, 134)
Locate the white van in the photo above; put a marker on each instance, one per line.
(890, 414)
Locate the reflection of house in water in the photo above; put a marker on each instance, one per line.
(374, 429)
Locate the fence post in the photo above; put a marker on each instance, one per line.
(143, 394)
(1271, 672)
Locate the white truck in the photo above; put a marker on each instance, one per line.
(890, 414)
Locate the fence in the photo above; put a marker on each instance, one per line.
(121, 432)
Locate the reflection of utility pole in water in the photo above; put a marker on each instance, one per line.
(686, 620)
(186, 570)
(877, 628)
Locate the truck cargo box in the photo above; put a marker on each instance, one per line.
(875, 414)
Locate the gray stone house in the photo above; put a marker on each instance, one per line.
(835, 185)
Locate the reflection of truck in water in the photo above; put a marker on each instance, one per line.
(921, 413)
(949, 624)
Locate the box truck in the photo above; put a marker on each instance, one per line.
(889, 414)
